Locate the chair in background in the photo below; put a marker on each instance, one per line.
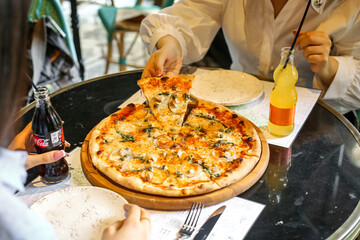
(53, 8)
(108, 18)
(39, 8)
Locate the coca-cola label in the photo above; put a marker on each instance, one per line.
(41, 142)
(53, 138)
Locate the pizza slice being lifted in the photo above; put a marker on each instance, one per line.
(168, 98)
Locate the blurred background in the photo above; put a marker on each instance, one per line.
(93, 37)
(94, 40)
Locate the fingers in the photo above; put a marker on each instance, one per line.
(316, 48)
(145, 217)
(138, 217)
(315, 54)
(167, 60)
(111, 230)
(133, 211)
(135, 226)
(152, 68)
(44, 158)
(156, 63)
(136, 214)
(67, 144)
(161, 62)
(146, 73)
(314, 38)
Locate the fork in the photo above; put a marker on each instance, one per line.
(191, 221)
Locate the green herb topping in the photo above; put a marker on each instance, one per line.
(126, 137)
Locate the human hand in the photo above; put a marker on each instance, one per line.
(24, 141)
(316, 48)
(167, 60)
(44, 158)
(136, 226)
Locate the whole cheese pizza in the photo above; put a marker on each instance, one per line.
(175, 145)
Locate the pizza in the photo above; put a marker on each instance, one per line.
(168, 98)
(212, 148)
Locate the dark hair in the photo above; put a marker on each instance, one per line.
(13, 38)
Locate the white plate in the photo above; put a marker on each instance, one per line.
(226, 87)
(81, 212)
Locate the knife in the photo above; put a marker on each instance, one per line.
(209, 224)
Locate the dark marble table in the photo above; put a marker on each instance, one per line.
(311, 191)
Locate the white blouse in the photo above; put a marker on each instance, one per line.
(17, 221)
(255, 38)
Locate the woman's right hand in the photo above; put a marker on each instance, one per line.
(136, 226)
(167, 60)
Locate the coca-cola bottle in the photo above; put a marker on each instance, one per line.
(48, 135)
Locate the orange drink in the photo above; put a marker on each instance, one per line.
(283, 96)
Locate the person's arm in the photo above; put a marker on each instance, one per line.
(24, 141)
(344, 91)
(339, 72)
(194, 26)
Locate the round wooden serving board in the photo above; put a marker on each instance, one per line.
(175, 203)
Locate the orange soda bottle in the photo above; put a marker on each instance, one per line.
(283, 96)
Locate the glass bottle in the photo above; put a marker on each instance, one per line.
(283, 96)
(48, 135)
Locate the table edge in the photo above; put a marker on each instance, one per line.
(32, 104)
(348, 230)
(351, 227)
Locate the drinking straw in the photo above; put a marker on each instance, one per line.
(297, 33)
(32, 83)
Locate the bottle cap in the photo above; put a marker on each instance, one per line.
(42, 92)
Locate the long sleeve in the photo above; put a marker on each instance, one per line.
(193, 23)
(344, 28)
(344, 92)
(17, 221)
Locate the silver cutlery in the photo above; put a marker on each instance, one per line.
(209, 224)
(191, 221)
